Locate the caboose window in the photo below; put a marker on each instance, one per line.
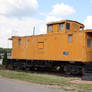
(81, 28)
(88, 43)
(19, 41)
(68, 26)
(65, 53)
(61, 26)
(50, 28)
(40, 45)
(69, 38)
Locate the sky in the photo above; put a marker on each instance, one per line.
(19, 17)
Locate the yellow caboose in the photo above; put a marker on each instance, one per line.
(66, 45)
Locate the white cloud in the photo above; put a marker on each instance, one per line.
(18, 7)
(14, 26)
(58, 12)
(88, 22)
(62, 10)
(52, 19)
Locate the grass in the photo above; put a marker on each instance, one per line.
(62, 82)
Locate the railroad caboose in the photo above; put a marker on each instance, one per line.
(66, 45)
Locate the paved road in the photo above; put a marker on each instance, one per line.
(8, 85)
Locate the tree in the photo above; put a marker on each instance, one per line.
(5, 58)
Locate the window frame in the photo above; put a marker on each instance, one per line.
(50, 27)
(68, 26)
(81, 28)
(88, 43)
(19, 41)
(61, 29)
(40, 45)
(65, 53)
(70, 38)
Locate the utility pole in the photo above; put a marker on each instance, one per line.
(34, 30)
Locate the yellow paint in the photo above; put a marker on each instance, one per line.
(53, 45)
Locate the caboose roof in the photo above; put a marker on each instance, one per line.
(88, 31)
(62, 21)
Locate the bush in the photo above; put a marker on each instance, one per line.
(5, 58)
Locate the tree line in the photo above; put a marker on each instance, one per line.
(8, 50)
(5, 51)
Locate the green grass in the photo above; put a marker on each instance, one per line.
(62, 82)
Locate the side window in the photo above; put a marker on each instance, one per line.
(50, 28)
(88, 43)
(68, 26)
(61, 26)
(65, 53)
(19, 41)
(40, 45)
(69, 38)
(81, 28)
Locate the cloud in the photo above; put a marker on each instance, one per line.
(18, 7)
(58, 12)
(16, 27)
(52, 19)
(16, 20)
(62, 10)
(88, 22)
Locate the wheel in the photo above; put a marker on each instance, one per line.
(67, 69)
(61, 69)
